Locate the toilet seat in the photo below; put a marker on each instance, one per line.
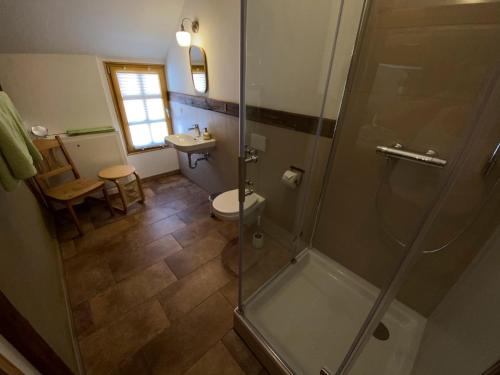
(227, 204)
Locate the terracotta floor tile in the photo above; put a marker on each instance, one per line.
(173, 181)
(124, 264)
(68, 231)
(86, 277)
(153, 291)
(265, 268)
(229, 230)
(230, 256)
(135, 365)
(196, 230)
(154, 214)
(163, 195)
(68, 249)
(105, 349)
(191, 257)
(186, 235)
(114, 302)
(82, 318)
(101, 237)
(177, 205)
(242, 353)
(182, 296)
(217, 361)
(180, 346)
(148, 192)
(230, 292)
(142, 235)
(196, 212)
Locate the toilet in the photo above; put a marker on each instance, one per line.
(226, 206)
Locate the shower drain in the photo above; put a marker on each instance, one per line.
(381, 332)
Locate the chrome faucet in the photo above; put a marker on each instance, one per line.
(197, 128)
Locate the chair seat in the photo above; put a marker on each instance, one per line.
(74, 189)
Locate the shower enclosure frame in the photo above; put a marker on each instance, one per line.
(388, 291)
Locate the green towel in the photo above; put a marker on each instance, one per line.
(84, 131)
(17, 152)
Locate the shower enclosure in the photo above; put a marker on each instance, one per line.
(389, 112)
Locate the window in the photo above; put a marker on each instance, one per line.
(141, 102)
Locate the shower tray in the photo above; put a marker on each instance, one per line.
(310, 313)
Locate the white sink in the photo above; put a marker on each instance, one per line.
(188, 143)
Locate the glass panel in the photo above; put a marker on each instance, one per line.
(442, 319)
(155, 109)
(135, 110)
(151, 83)
(141, 135)
(296, 296)
(283, 85)
(409, 99)
(159, 132)
(129, 84)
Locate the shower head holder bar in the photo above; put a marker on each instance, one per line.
(398, 152)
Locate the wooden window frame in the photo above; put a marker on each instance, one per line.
(111, 69)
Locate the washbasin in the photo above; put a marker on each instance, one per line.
(188, 143)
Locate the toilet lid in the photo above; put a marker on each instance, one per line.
(227, 203)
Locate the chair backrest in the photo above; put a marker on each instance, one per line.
(53, 151)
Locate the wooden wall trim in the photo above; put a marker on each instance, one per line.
(287, 120)
(22, 336)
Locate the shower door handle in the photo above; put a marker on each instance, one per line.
(398, 152)
(492, 160)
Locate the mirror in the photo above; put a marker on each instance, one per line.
(40, 131)
(198, 62)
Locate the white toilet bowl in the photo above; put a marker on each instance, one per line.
(226, 206)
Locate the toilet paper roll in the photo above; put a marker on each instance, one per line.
(290, 179)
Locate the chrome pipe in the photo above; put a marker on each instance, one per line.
(242, 152)
(398, 152)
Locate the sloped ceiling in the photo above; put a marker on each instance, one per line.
(139, 29)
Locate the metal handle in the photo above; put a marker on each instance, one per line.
(398, 152)
(251, 155)
(492, 160)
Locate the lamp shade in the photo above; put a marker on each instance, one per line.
(183, 38)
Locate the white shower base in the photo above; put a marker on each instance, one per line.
(312, 311)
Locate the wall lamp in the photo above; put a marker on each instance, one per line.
(184, 37)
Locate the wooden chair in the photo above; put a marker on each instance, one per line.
(69, 192)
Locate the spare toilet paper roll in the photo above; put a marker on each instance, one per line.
(290, 179)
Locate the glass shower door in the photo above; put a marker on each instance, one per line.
(446, 93)
(288, 125)
(408, 118)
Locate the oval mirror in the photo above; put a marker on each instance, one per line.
(198, 62)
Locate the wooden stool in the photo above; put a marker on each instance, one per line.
(114, 174)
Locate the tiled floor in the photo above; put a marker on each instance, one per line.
(153, 292)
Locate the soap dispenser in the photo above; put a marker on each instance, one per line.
(207, 135)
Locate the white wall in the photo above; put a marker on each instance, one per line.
(60, 92)
(118, 28)
(288, 52)
(219, 37)
(64, 92)
(31, 274)
(462, 335)
(289, 46)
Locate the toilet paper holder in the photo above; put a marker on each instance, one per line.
(292, 177)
